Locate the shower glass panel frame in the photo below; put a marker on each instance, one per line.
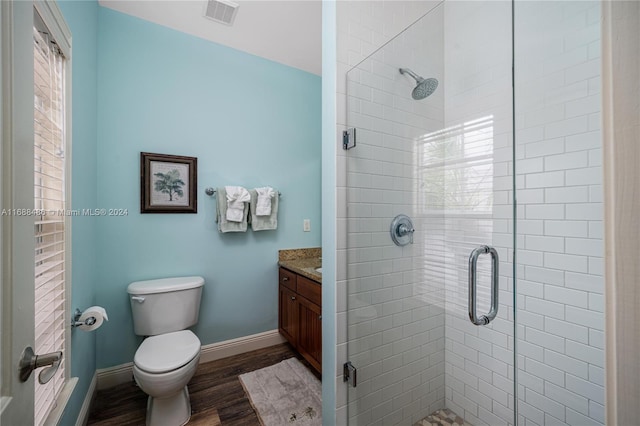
(446, 161)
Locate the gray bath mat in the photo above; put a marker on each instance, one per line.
(285, 394)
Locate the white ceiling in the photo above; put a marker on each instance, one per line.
(288, 32)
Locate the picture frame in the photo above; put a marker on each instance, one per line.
(168, 183)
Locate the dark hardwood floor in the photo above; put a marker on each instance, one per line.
(217, 397)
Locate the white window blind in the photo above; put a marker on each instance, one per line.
(456, 169)
(49, 194)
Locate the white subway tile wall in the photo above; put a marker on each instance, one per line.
(447, 162)
(394, 315)
(560, 303)
(362, 27)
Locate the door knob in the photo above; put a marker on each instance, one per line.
(30, 361)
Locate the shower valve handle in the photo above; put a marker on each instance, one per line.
(404, 230)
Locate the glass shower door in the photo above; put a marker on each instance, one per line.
(445, 161)
(560, 304)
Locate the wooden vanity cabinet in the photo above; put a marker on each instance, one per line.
(300, 315)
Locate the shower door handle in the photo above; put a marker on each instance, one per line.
(473, 261)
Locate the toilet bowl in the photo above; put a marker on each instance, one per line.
(162, 367)
(168, 357)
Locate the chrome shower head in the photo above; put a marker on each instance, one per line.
(424, 88)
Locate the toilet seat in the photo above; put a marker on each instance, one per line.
(167, 352)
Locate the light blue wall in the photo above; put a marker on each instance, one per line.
(82, 18)
(250, 122)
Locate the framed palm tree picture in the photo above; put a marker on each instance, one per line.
(168, 183)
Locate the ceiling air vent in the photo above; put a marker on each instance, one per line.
(222, 11)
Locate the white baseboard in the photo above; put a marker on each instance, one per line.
(83, 415)
(113, 376)
(240, 345)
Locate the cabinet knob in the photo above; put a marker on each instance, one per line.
(293, 298)
(320, 317)
(285, 278)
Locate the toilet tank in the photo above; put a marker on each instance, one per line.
(165, 305)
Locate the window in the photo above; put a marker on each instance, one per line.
(456, 169)
(49, 205)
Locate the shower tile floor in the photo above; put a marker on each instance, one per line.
(444, 417)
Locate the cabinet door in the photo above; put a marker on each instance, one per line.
(288, 315)
(310, 337)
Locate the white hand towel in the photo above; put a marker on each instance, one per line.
(236, 197)
(263, 207)
(263, 223)
(221, 214)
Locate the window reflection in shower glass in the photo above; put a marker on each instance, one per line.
(456, 169)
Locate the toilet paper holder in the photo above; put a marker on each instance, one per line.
(76, 317)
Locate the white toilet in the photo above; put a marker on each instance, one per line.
(167, 358)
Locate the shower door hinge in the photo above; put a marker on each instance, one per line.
(349, 138)
(349, 374)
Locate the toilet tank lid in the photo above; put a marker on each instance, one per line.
(164, 285)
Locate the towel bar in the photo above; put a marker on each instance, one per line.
(212, 192)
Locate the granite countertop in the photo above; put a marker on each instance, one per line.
(303, 262)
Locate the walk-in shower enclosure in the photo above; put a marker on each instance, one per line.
(505, 153)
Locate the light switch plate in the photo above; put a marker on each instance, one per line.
(306, 225)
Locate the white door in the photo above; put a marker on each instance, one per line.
(16, 202)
